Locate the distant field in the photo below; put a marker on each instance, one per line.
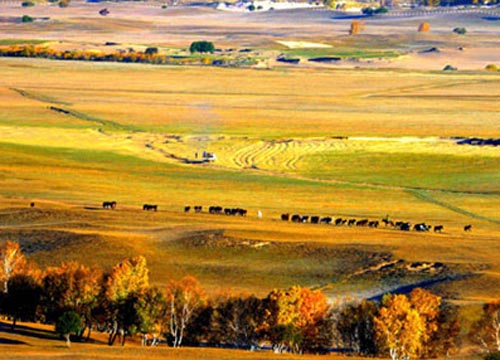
(342, 143)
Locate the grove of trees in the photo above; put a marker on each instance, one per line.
(78, 299)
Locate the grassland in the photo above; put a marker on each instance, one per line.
(340, 151)
(329, 141)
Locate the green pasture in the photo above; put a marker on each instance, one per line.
(343, 52)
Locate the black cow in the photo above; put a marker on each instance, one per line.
(326, 220)
(32, 204)
(215, 209)
(296, 218)
(186, 209)
(405, 226)
(351, 222)
(149, 207)
(285, 217)
(305, 218)
(373, 224)
(314, 219)
(438, 228)
(109, 205)
(363, 222)
(338, 221)
(421, 227)
(468, 227)
(198, 209)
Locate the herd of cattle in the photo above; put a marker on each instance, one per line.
(218, 210)
(297, 218)
(399, 225)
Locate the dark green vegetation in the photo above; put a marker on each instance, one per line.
(202, 47)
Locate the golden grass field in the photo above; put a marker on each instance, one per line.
(330, 141)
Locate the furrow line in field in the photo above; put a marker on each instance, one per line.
(425, 197)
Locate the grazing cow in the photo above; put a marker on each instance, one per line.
(326, 220)
(104, 12)
(314, 219)
(285, 217)
(109, 205)
(198, 209)
(227, 211)
(241, 212)
(351, 222)
(401, 225)
(438, 228)
(405, 226)
(148, 207)
(305, 218)
(296, 218)
(421, 227)
(373, 224)
(338, 221)
(186, 209)
(468, 227)
(215, 209)
(363, 222)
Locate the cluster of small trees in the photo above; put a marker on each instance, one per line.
(78, 299)
(149, 56)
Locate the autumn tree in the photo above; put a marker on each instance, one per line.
(486, 331)
(446, 340)
(71, 287)
(237, 320)
(399, 328)
(124, 290)
(356, 329)
(184, 298)
(12, 259)
(292, 317)
(427, 306)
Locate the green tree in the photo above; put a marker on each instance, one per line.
(202, 47)
(68, 323)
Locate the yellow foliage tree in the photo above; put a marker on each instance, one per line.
(399, 328)
(12, 261)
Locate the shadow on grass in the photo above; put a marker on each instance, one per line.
(28, 331)
(11, 342)
(35, 332)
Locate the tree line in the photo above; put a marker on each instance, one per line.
(149, 56)
(121, 302)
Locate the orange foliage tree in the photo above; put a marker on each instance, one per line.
(71, 287)
(292, 317)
